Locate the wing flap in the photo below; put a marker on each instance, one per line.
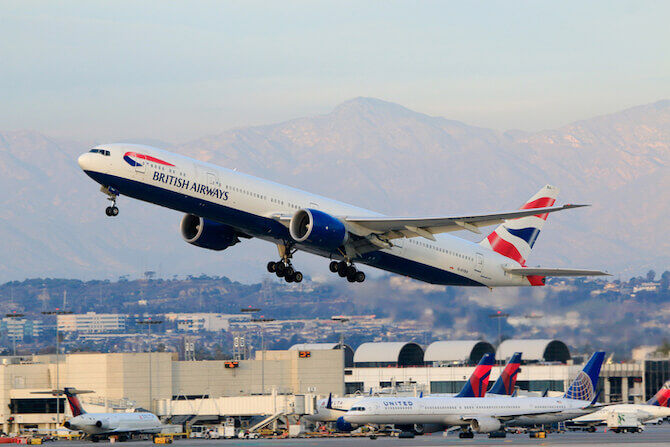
(533, 271)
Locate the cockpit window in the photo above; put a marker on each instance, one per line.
(100, 151)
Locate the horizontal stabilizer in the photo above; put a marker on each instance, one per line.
(531, 271)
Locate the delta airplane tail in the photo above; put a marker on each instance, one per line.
(585, 384)
(515, 237)
(505, 385)
(73, 400)
(662, 398)
(479, 380)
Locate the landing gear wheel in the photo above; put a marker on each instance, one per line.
(288, 271)
(360, 276)
(115, 211)
(351, 278)
(289, 278)
(297, 277)
(342, 268)
(271, 267)
(351, 271)
(108, 211)
(280, 269)
(466, 435)
(334, 266)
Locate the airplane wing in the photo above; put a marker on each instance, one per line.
(398, 227)
(532, 271)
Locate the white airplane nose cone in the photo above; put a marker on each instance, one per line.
(84, 161)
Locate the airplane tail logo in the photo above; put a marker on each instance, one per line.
(73, 400)
(516, 237)
(507, 380)
(479, 380)
(584, 385)
(662, 398)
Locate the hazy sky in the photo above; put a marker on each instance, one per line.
(177, 70)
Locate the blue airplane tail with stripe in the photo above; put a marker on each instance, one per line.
(479, 380)
(506, 383)
(585, 384)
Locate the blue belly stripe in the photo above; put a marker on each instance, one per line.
(267, 228)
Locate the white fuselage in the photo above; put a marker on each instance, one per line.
(643, 412)
(339, 406)
(106, 423)
(459, 411)
(249, 204)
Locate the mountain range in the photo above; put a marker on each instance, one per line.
(367, 152)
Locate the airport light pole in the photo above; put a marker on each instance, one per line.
(342, 320)
(57, 312)
(14, 315)
(150, 322)
(260, 321)
(499, 315)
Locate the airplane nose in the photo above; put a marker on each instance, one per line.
(85, 162)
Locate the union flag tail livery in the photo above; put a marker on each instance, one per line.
(479, 380)
(662, 398)
(73, 400)
(585, 384)
(505, 384)
(515, 238)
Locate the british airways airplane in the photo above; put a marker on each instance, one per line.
(222, 206)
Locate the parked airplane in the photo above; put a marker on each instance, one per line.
(223, 205)
(102, 425)
(482, 415)
(657, 407)
(332, 409)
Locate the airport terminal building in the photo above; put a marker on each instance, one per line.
(280, 383)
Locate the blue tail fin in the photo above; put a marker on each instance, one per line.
(507, 380)
(329, 404)
(479, 380)
(585, 384)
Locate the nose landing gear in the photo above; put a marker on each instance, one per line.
(347, 270)
(112, 194)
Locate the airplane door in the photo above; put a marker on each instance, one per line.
(212, 180)
(140, 168)
(479, 263)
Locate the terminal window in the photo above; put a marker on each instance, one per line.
(440, 386)
(42, 405)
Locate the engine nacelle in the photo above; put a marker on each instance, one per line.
(317, 228)
(485, 425)
(206, 233)
(106, 424)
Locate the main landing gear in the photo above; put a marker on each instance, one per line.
(347, 270)
(285, 270)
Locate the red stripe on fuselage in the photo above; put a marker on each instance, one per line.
(500, 245)
(148, 158)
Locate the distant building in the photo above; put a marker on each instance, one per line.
(646, 287)
(197, 322)
(92, 322)
(18, 328)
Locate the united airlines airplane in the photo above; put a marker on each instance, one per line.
(222, 206)
(481, 415)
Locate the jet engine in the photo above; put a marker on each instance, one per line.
(314, 227)
(206, 233)
(485, 425)
(105, 424)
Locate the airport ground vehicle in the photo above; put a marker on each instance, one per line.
(624, 423)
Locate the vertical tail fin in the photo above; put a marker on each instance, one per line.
(585, 384)
(515, 238)
(662, 398)
(73, 400)
(479, 380)
(505, 384)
